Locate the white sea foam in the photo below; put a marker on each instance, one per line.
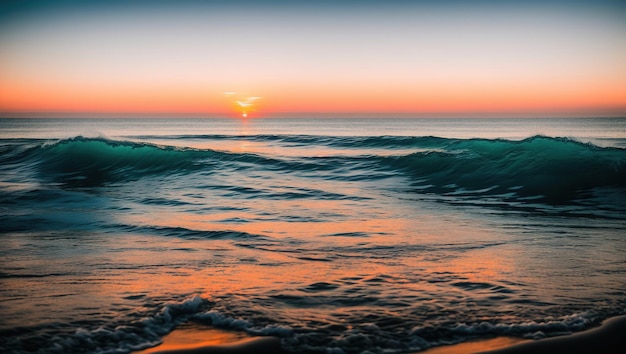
(139, 334)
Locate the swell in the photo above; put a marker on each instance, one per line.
(551, 169)
(539, 168)
(83, 161)
(386, 141)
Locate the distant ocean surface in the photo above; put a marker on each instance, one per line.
(336, 235)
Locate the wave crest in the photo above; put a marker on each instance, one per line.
(94, 161)
(540, 168)
(552, 169)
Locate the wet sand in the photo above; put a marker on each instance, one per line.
(192, 339)
(196, 339)
(475, 346)
(610, 338)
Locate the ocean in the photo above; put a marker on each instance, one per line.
(335, 235)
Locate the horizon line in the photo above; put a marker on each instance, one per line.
(311, 115)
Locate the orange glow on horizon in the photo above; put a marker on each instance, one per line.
(19, 96)
(327, 96)
(242, 105)
(420, 59)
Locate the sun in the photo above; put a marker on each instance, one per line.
(243, 105)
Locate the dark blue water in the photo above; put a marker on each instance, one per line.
(335, 235)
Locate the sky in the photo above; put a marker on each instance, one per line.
(313, 58)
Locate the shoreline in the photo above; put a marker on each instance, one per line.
(608, 338)
(475, 346)
(192, 338)
(245, 346)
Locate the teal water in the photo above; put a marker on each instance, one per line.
(340, 235)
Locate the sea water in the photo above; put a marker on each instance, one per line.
(336, 235)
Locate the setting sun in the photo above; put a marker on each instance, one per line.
(242, 104)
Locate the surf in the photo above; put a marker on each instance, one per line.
(552, 170)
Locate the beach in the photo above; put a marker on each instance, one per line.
(196, 339)
(608, 338)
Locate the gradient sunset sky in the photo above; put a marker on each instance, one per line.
(317, 58)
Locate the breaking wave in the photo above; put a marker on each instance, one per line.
(554, 170)
(146, 329)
